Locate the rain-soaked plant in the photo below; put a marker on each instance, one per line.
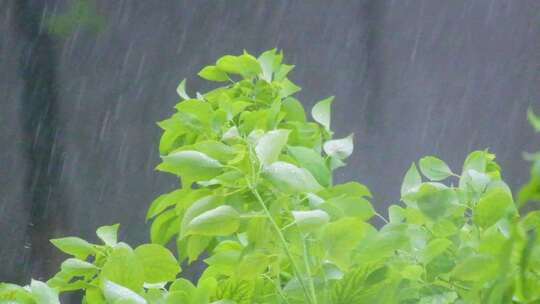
(257, 195)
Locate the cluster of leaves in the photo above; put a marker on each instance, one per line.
(257, 196)
(530, 192)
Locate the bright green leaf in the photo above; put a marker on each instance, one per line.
(270, 62)
(434, 248)
(346, 205)
(42, 293)
(476, 268)
(477, 161)
(340, 148)
(321, 112)
(212, 73)
(534, 120)
(114, 293)
(245, 65)
(108, 234)
(341, 237)
(193, 165)
(434, 168)
(181, 90)
(164, 227)
(123, 268)
(492, 207)
(158, 263)
(288, 88)
(294, 110)
(282, 71)
(223, 220)
(269, 146)
(474, 180)
(165, 201)
(74, 246)
(198, 207)
(288, 177)
(434, 202)
(78, 266)
(313, 162)
(411, 181)
(310, 220)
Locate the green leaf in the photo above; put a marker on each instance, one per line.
(196, 244)
(534, 120)
(220, 221)
(477, 161)
(413, 272)
(42, 293)
(165, 201)
(474, 180)
(224, 302)
(294, 111)
(78, 266)
(310, 220)
(245, 65)
(198, 207)
(288, 177)
(434, 248)
(440, 298)
(269, 146)
(193, 165)
(341, 237)
(492, 207)
(435, 202)
(379, 246)
(476, 268)
(313, 162)
(217, 150)
(183, 285)
(444, 228)
(347, 205)
(282, 71)
(411, 181)
(181, 90)
(531, 221)
(212, 73)
(158, 263)
(434, 168)
(164, 227)
(230, 135)
(340, 148)
(235, 291)
(115, 293)
(123, 268)
(74, 246)
(396, 214)
(321, 112)
(108, 234)
(288, 88)
(349, 188)
(270, 62)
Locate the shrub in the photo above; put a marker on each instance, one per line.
(257, 195)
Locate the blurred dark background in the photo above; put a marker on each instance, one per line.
(83, 82)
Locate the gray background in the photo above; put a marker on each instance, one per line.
(410, 78)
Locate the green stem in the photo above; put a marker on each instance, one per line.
(278, 288)
(308, 270)
(283, 242)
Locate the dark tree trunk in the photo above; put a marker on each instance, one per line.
(40, 125)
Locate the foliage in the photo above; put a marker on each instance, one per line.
(257, 195)
(81, 14)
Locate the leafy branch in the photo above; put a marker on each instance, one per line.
(257, 195)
